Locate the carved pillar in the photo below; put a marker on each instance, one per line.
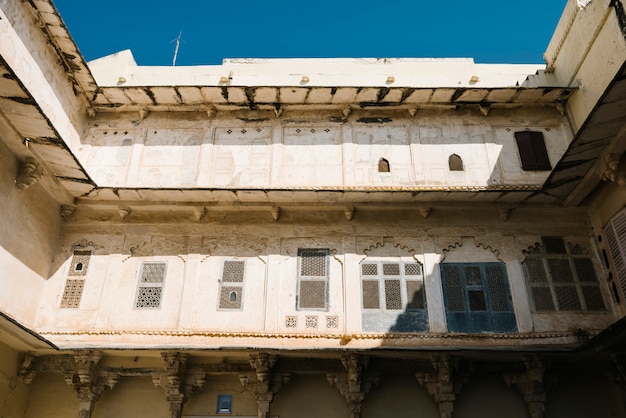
(30, 173)
(351, 384)
(531, 384)
(440, 383)
(262, 383)
(172, 380)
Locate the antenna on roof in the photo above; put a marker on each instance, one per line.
(176, 49)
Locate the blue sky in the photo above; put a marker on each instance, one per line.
(490, 31)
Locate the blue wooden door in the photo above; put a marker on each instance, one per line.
(477, 298)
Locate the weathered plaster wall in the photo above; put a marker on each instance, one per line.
(188, 150)
(195, 252)
(28, 52)
(587, 50)
(28, 239)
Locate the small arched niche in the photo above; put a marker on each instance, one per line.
(455, 163)
(383, 166)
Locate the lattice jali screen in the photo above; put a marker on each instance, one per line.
(370, 294)
(395, 285)
(153, 272)
(148, 297)
(563, 277)
(80, 263)
(72, 293)
(332, 322)
(291, 322)
(230, 297)
(497, 289)
(313, 279)
(313, 262)
(310, 322)
(455, 300)
(393, 295)
(312, 294)
(231, 285)
(233, 271)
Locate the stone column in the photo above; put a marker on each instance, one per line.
(351, 384)
(261, 383)
(171, 381)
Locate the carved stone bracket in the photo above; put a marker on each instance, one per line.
(27, 372)
(613, 169)
(442, 383)
(172, 380)
(531, 384)
(262, 383)
(351, 383)
(88, 380)
(30, 173)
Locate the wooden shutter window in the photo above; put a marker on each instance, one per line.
(532, 150)
(615, 232)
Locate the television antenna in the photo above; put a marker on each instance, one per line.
(177, 40)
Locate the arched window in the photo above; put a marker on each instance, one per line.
(383, 166)
(455, 163)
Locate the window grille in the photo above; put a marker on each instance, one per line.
(313, 279)
(615, 232)
(150, 289)
(562, 278)
(231, 284)
(393, 286)
(332, 322)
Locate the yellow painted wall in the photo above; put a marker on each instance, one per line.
(204, 401)
(399, 396)
(13, 393)
(309, 397)
(132, 397)
(488, 396)
(51, 397)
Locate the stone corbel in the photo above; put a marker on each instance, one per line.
(171, 380)
(27, 372)
(531, 384)
(613, 169)
(442, 383)
(351, 384)
(87, 381)
(30, 173)
(260, 383)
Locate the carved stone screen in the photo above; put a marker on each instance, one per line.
(231, 284)
(150, 289)
(313, 279)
